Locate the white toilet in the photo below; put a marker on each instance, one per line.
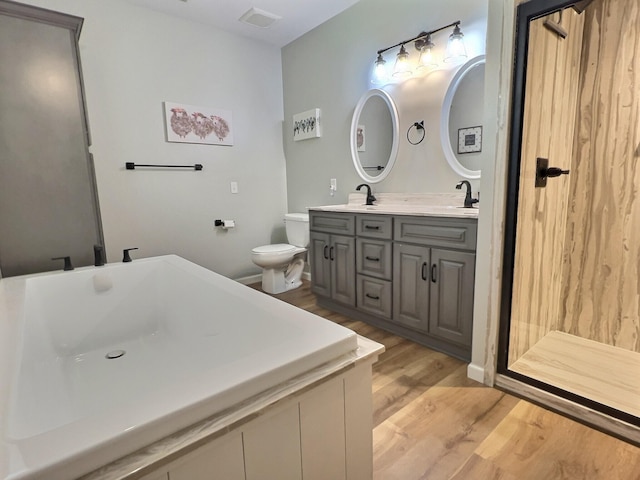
(282, 263)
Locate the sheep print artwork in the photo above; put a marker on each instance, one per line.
(191, 124)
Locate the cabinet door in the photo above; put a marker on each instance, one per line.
(411, 286)
(342, 254)
(452, 276)
(319, 263)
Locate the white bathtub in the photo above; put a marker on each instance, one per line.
(195, 342)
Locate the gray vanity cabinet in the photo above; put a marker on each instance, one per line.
(332, 257)
(412, 275)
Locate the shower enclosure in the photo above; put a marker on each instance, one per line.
(570, 314)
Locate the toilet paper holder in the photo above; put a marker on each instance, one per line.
(225, 224)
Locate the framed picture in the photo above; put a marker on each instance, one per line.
(361, 138)
(306, 125)
(193, 124)
(470, 140)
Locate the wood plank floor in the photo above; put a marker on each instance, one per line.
(431, 422)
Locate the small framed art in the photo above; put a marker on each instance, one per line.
(470, 139)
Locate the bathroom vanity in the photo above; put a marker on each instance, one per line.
(406, 264)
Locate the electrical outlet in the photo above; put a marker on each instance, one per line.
(334, 184)
(234, 187)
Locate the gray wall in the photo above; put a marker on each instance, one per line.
(133, 60)
(329, 68)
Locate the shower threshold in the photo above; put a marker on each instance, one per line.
(602, 373)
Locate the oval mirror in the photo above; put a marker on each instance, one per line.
(374, 135)
(461, 119)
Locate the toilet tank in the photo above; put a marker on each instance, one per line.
(297, 226)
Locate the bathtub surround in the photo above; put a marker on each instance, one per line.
(158, 312)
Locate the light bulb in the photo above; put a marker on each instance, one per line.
(380, 73)
(455, 46)
(426, 59)
(402, 68)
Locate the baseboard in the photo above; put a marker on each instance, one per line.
(258, 278)
(474, 372)
(250, 279)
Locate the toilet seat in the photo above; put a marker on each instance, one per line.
(276, 248)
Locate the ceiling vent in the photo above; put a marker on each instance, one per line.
(259, 18)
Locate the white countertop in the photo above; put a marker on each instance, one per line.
(416, 204)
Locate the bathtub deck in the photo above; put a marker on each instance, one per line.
(605, 374)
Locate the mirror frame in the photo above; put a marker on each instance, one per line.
(445, 138)
(393, 110)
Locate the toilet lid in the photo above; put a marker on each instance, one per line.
(276, 248)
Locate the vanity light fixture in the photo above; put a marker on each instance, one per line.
(455, 46)
(425, 47)
(423, 43)
(380, 71)
(402, 68)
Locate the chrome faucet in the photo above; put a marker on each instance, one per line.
(370, 197)
(468, 199)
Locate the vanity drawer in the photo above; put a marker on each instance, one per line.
(373, 257)
(374, 226)
(438, 232)
(374, 296)
(340, 223)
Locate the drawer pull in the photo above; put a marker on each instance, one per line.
(372, 297)
(372, 259)
(372, 227)
(423, 273)
(433, 273)
(331, 254)
(325, 253)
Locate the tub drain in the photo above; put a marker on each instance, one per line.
(114, 354)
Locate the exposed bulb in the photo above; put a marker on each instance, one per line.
(455, 46)
(380, 73)
(402, 68)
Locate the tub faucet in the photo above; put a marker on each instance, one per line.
(126, 258)
(98, 255)
(370, 197)
(468, 199)
(67, 262)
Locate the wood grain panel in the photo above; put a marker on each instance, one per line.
(601, 275)
(603, 373)
(548, 131)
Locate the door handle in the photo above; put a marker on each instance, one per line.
(423, 273)
(434, 268)
(331, 254)
(325, 254)
(544, 171)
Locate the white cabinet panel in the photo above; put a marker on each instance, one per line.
(322, 432)
(272, 447)
(222, 459)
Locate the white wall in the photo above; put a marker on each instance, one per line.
(330, 68)
(133, 60)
